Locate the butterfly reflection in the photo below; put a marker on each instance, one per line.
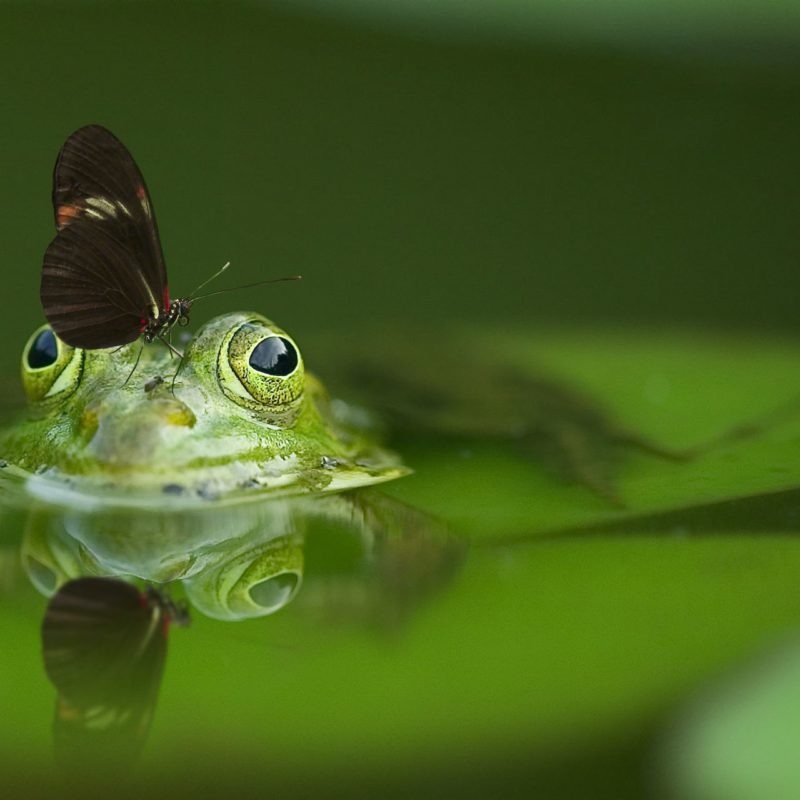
(104, 644)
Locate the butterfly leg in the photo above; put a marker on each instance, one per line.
(135, 363)
(175, 376)
(173, 350)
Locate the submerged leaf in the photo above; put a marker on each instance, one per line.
(731, 407)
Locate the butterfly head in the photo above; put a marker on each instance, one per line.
(184, 305)
(179, 312)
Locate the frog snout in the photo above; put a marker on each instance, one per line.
(139, 435)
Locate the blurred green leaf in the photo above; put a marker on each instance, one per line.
(740, 740)
(678, 390)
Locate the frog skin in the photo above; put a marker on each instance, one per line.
(242, 416)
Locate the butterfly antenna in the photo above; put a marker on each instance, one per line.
(247, 286)
(208, 280)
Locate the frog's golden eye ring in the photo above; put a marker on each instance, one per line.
(51, 369)
(260, 367)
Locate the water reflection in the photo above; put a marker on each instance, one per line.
(250, 560)
(111, 573)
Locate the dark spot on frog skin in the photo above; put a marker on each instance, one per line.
(173, 488)
(207, 493)
(3, 463)
(328, 462)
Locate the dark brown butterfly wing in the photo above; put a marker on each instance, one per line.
(104, 645)
(92, 291)
(104, 275)
(96, 178)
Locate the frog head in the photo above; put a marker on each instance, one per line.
(237, 414)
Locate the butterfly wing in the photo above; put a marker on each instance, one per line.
(104, 276)
(104, 646)
(96, 178)
(92, 291)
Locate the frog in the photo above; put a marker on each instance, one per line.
(211, 474)
(239, 415)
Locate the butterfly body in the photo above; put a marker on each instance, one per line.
(175, 313)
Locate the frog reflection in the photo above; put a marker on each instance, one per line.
(371, 560)
(249, 560)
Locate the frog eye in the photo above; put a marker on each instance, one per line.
(50, 368)
(260, 368)
(274, 355)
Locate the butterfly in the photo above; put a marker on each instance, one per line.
(104, 644)
(104, 281)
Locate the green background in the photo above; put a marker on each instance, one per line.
(579, 166)
(411, 173)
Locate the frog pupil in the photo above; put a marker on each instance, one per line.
(274, 356)
(44, 350)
